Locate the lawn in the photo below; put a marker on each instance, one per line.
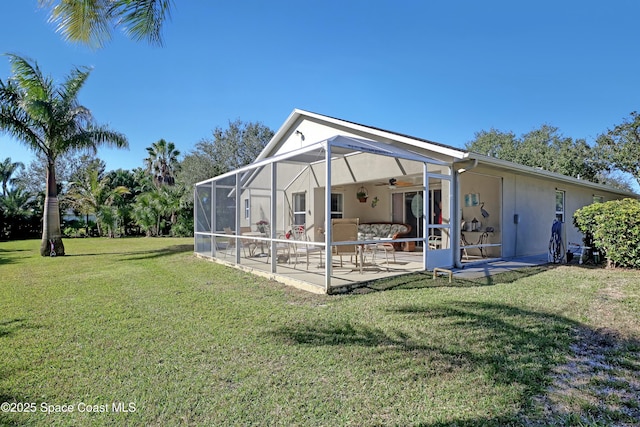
(140, 332)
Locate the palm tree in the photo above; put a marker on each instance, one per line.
(147, 212)
(91, 22)
(162, 162)
(7, 168)
(49, 120)
(16, 206)
(93, 195)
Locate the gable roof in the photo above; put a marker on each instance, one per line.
(451, 153)
(382, 135)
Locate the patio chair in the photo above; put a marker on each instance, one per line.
(387, 247)
(231, 242)
(435, 242)
(282, 251)
(344, 230)
(252, 244)
(463, 250)
(299, 234)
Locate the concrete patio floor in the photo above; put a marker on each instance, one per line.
(312, 278)
(481, 269)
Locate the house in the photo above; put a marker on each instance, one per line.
(429, 204)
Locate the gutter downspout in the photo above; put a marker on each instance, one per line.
(455, 230)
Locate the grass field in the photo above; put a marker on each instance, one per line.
(140, 332)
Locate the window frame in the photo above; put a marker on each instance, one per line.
(299, 211)
(338, 213)
(560, 213)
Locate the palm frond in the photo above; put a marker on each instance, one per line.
(143, 19)
(16, 123)
(84, 21)
(93, 137)
(29, 78)
(75, 80)
(91, 21)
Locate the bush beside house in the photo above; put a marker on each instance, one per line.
(614, 229)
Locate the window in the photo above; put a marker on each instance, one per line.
(598, 199)
(299, 209)
(247, 211)
(336, 205)
(560, 206)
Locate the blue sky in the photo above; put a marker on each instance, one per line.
(440, 70)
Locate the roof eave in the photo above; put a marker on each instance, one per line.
(528, 170)
(297, 114)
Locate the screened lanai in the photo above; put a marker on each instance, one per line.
(296, 217)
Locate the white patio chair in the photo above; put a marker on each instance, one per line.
(231, 242)
(282, 250)
(299, 234)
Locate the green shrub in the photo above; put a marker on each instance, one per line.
(183, 226)
(615, 229)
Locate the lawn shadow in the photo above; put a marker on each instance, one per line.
(150, 254)
(4, 259)
(514, 347)
(8, 327)
(142, 254)
(424, 279)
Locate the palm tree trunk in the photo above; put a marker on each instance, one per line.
(51, 234)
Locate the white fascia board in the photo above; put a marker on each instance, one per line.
(528, 170)
(378, 133)
(280, 133)
(447, 151)
(266, 161)
(380, 149)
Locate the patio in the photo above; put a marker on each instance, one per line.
(313, 278)
(256, 210)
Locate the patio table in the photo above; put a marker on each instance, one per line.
(257, 242)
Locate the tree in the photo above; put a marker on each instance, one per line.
(91, 21)
(143, 181)
(542, 148)
(229, 149)
(123, 203)
(91, 194)
(621, 146)
(7, 169)
(162, 162)
(49, 120)
(147, 212)
(17, 207)
(240, 144)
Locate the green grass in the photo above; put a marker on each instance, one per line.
(189, 342)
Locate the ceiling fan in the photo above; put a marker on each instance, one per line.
(392, 183)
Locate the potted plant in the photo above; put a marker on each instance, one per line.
(262, 225)
(362, 194)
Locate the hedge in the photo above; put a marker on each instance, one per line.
(615, 229)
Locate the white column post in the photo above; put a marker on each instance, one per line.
(237, 220)
(327, 215)
(214, 246)
(457, 215)
(425, 211)
(273, 210)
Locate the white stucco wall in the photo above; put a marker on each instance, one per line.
(533, 200)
